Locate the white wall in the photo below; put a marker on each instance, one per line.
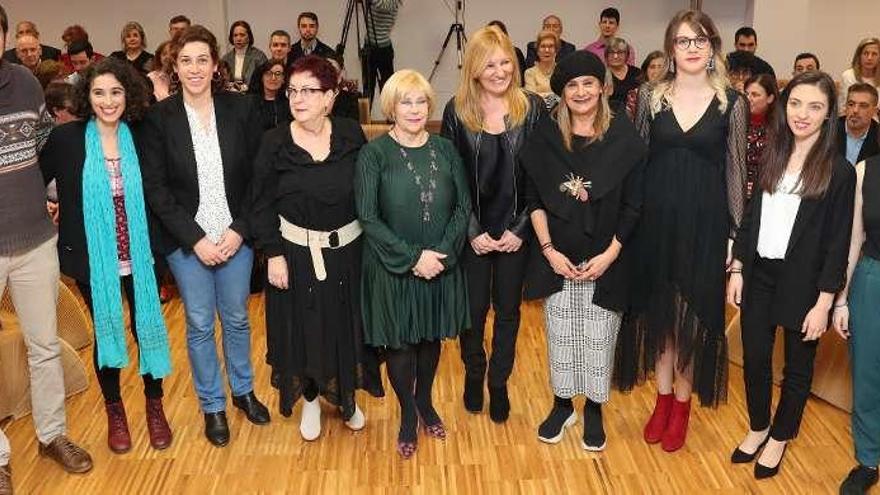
(830, 29)
(785, 27)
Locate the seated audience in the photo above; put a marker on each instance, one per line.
(160, 72)
(864, 67)
(624, 76)
(609, 23)
(746, 40)
(279, 45)
(858, 138)
(177, 25)
(71, 34)
(308, 43)
(80, 56)
(550, 23)
(60, 102)
(804, 62)
(244, 57)
(741, 65)
(762, 92)
(537, 77)
(28, 50)
(48, 52)
(267, 86)
(654, 67)
(134, 44)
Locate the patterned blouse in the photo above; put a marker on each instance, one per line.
(757, 141)
(114, 171)
(213, 214)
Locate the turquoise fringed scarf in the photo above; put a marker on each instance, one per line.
(100, 226)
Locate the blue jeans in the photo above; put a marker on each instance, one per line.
(205, 290)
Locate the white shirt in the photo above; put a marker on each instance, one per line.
(778, 213)
(239, 64)
(213, 214)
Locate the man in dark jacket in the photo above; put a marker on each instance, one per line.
(858, 138)
(308, 43)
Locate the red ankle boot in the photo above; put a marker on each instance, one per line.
(659, 418)
(157, 425)
(676, 431)
(118, 437)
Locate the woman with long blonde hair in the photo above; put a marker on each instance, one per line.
(488, 120)
(865, 67)
(695, 125)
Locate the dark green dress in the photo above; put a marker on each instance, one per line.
(401, 217)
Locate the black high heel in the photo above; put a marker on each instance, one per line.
(741, 457)
(762, 471)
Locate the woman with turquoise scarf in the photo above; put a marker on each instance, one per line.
(103, 240)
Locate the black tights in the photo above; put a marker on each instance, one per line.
(108, 378)
(412, 369)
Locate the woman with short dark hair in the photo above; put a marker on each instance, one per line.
(103, 240)
(199, 146)
(244, 58)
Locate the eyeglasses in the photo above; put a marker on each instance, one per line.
(616, 53)
(291, 92)
(275, 74)
(683, 42)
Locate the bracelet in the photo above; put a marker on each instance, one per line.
(843, 305)
(736, 270)
(546, 246)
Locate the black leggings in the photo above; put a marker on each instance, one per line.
(412, 369)
(108, 378)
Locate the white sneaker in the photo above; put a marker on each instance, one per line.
(357, 421)
(310, 422)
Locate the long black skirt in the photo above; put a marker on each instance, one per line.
(314, 331)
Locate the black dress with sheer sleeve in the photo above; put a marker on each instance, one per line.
(694, 196)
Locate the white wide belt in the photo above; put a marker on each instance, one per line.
(316, 240)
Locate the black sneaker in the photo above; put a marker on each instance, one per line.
(858, 482)
(594, 431)
(553, 428)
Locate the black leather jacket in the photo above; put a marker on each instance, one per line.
(468, 144)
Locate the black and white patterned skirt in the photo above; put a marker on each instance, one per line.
(580, 342)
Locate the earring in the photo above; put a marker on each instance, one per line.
(672, 66)
(175, 79)
(710, 65)
(216, 77)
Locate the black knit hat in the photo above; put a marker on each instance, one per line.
(577, 64)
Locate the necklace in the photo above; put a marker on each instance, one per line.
(428, 185)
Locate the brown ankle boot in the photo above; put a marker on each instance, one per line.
(118, 437)
(157, 425)
(659, 418)
(676, 431)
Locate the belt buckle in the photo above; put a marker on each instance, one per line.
(333, 239)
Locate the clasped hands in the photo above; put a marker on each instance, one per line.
(592, 269)
(212, 254)
(429, 265)
(484, 243)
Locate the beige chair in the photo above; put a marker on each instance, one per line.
(832, 377)
(74, 333)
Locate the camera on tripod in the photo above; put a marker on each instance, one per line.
(455, 30)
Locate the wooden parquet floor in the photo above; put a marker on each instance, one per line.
(478, 456)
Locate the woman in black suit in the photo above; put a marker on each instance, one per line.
(199, 146)
(103, 240)
(790, 258)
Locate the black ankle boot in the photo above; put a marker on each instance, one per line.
(473, 393)
(499, 404)
(561, 417)
(594, 431)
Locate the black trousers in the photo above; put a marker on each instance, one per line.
(108, 378)
(379, 67)
(758, 337)
(495, 277)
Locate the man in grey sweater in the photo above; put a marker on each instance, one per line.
(29, 261)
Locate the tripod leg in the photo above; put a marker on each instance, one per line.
(442, 50)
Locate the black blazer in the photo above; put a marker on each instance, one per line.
(321, 50)
(816, 258)
(62, 159)
(169, 166)
(870, 147)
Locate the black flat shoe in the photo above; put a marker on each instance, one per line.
(859, 481)
(255, 411)
(763, 472)
(473, 394)
(499, 404)
(217, 429)
(741, 457)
